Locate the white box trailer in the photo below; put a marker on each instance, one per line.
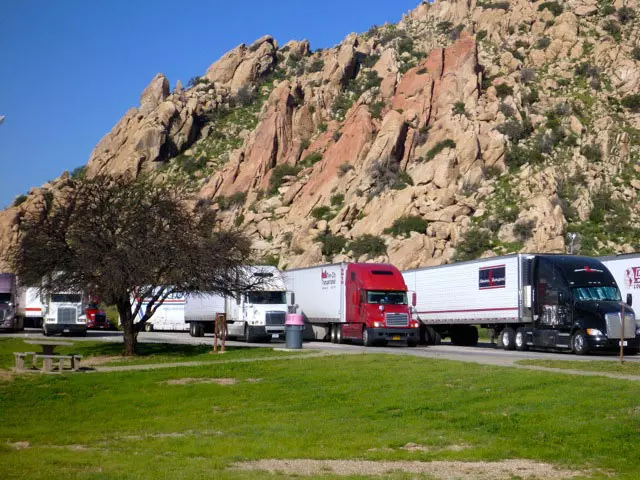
(257, 314)
(31, 307)
(626, 270)
(10, 317)
(170, 316)
(528, 300)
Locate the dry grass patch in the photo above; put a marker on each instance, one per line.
(415, 447)
(445, 470)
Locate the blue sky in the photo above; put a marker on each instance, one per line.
(69, 69)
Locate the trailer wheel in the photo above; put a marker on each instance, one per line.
(579, 343)
(332, 334)
(508, 338)
(367, 341)
(521, 340)
(339, 337)
(433, 337)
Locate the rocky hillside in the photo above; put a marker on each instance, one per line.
(466, 129)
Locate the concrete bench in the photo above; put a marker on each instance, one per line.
(49, 361)
(21, 357)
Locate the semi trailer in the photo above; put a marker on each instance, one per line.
(355, 301)
(257, 314)
(626, 271)
(10, 317)
(31, 307)
(528, 301)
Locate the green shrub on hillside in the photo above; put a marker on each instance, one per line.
(278, 174)
(331, 244)
(19, 200)
(367, 245)
(438, 147)
(632, 102)
(311, 159)
(344, 168)
(337, 200)
(503, 90)
(553, 7)
(322, 213)
(407, 224)
(472, 244)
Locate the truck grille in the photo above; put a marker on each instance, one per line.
(275, 318)
(66, 315)
(397, 319)
(2, 315)
(613, 325)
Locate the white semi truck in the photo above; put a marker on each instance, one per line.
(64, 313)
(528, 300)
(168, 317)
(258, 314)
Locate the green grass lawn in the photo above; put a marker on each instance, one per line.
(139, 425)
(147, 352)
(629, 368)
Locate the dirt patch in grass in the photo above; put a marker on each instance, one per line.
(415, 447)
(6, 376)
(506, 469)
(19, 445)
(96, 361)
(197, 381)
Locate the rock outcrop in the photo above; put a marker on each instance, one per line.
(508, 119)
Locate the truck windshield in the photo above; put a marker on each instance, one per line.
(388, 298)
(267, 298)
(593, 294)
(5, 297)
(66, 297)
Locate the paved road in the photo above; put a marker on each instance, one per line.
(483, 353)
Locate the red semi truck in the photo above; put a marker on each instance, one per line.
(356, 301)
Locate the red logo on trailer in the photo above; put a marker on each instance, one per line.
(632, 277)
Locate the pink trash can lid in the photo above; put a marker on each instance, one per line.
(294, 319)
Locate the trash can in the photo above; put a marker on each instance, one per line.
(293, 329)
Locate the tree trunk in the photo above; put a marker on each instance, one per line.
(129, 328)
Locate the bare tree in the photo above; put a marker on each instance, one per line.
(130, 242)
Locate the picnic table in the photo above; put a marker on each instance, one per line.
(48, 346)
(48, 355)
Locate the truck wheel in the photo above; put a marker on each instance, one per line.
(521, 340)
(367, 341)
(148, 327)
(433, 337)
(192, 332)
(249, 337)
(333, 335)
(508, 338)
(631, 351)
(412, 343)
(579, 343)
(339, 337)
(199, 329)
(45, 331)
(457, 336)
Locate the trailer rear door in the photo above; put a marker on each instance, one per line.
(319, 292)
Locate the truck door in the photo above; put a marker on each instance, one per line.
(352, 297)
(552, 307)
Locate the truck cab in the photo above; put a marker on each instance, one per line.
(260, 313)
(64, 314)
(577, 305)
(377, 305)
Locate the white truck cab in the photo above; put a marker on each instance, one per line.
(64, 314)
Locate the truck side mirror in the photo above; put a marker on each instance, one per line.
(292, 298)
(629, 299)
(414, 299)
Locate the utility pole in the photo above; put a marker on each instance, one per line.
(572, 238)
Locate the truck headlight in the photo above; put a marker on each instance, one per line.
(594, 332)
(378, 324)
